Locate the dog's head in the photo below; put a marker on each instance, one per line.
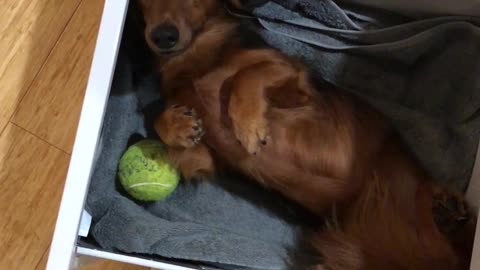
(171, 25)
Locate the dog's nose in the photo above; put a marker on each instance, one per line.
(165, 36)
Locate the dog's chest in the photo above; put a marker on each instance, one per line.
(208, 88)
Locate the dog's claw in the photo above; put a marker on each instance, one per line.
(252, 134)
(196, 140)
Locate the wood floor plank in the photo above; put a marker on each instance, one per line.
(52, 106)
(42, 265)
(109, 265)
(100, 265)
(29, 30)
(3, 123)
(32, 174)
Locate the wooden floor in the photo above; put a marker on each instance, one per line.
(45, 53)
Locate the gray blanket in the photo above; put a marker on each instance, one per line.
(423, 75)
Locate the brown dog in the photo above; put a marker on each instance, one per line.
(257, 111)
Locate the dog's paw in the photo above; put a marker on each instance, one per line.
(450, 211)
(180, 126)
(251, 132)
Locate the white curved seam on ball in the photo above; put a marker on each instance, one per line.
(148, 184)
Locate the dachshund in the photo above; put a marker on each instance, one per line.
(255, 110)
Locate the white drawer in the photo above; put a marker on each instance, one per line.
(65, 249)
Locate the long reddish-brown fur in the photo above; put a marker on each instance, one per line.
(257, 111)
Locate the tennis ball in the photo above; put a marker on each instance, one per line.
(145, 173)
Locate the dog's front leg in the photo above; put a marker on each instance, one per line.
(180, 128)
(248, 103)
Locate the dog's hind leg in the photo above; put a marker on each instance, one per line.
(195, 163)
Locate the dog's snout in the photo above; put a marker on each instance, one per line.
(165, 36)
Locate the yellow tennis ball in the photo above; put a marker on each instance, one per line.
(145, 173)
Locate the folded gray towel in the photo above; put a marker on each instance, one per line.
(422, 75)
(228, 222)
